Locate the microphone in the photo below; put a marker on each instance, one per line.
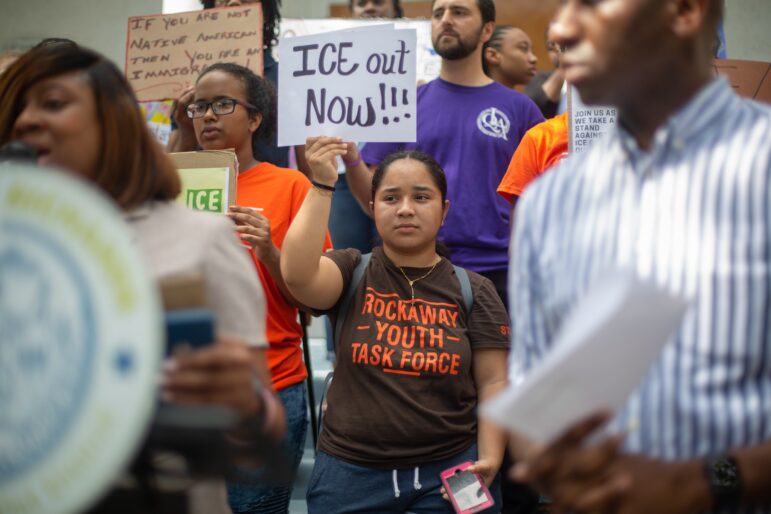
(17, 151)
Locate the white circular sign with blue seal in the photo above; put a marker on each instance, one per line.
(80, 342)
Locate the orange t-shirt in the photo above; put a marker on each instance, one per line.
(543, 146)
(279, 192)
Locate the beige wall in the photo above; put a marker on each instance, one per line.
(748, 29)
(747, 23)
(102, 25)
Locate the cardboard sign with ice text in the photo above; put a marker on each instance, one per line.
(358, 84)
(205, 189)
(166, 53)
(208, 179)
(586, 123)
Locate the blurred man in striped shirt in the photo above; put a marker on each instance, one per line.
(680, 193)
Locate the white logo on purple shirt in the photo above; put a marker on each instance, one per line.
(494, 123)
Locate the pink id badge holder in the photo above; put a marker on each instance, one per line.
(466, 490)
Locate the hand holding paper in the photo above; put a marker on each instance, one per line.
(583, 477)
(602, 353)
(254, 229)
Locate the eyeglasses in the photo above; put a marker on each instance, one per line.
(219, 106)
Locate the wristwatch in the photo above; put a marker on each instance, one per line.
(724, 480)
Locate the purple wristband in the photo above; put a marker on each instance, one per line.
(352, 164)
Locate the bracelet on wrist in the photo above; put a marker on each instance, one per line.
(323, 187)
(352, 164)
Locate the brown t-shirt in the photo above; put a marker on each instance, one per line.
(403, 392)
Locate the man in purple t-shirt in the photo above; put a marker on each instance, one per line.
(471, 125)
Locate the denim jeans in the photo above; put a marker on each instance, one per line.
(246, 495)
(337, 486)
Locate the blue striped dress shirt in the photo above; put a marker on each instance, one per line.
(693, 215)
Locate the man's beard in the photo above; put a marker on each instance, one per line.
(460, 49)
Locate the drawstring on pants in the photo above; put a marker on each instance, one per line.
(415, 483)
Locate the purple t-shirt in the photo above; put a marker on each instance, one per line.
(472, 132)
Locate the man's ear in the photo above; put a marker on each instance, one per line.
(372, 209)
(690, 16)
(487, 32)
(255, 122)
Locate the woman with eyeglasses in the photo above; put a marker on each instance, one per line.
(234, 108)
(78, 112)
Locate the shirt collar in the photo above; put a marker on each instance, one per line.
(138, 213)
(693, 119)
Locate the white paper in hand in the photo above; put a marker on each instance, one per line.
(602, 353)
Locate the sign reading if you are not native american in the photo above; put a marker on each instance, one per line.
(166, 53)
(356, 84)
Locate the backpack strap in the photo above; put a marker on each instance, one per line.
(465, 288)
(358, 273)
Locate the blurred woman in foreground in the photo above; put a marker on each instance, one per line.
(75, 108)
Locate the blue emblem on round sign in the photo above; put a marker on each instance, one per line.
(46, 312)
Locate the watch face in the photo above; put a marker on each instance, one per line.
(726, 474)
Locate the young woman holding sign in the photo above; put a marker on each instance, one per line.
(78, 113)
(234, 108)
(414, 358)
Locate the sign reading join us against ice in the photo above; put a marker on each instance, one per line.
(587, 122)
(356, 84)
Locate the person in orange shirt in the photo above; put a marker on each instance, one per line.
(233, 108)
(543, 146)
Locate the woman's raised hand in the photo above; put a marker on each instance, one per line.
(179, 109)
(321, 153)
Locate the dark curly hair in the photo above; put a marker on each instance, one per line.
(271, 18)
(259, 92)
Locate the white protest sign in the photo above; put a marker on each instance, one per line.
(586, 123)
(428, 61)
(356, 84)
